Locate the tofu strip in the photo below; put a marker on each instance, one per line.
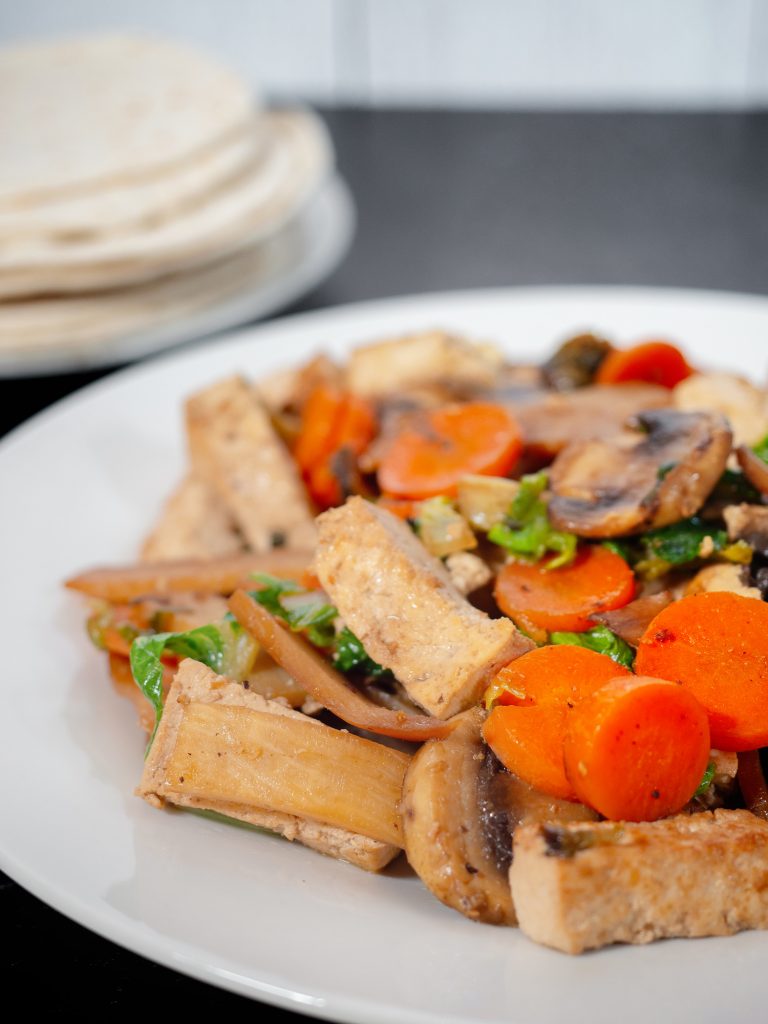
(226, 749)
(194, 524)
(235, 448)
(581, 886)
(396, 364)
(400, 602)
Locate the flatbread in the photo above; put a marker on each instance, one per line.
(77, 323)
(133, 205)
(297, 161)
(89, 110)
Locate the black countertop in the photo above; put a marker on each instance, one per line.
(460, 200)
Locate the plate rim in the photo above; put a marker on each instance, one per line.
(133, 935)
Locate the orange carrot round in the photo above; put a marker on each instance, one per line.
(637, 748)
(526, 729)
(529, 742)
(716, 645)
(555, 675)
(564, 599)
(436, 448)
(655, 362)
(334, 425)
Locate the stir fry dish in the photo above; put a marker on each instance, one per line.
(508, 619)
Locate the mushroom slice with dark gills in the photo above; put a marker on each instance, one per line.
(459, 809)
(655, 472)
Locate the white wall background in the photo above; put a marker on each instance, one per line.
(490, 53)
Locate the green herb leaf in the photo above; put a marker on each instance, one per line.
(313, 616)
(761, 449)
(205, 644)
(349, 655)
(706, 781)
(621, 548)
(733, 488)
(527, 532)
(600, 639)
(310, 615)
(681, 542)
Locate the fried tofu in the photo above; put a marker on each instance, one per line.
(221, 747)
(193, 524)
(399, 364)
(235, 448)
(400, 602)
(581, 886)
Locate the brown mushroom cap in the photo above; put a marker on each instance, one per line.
(459, 809)
(639, 479)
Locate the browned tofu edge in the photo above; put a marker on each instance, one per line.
(196, 682)
(583, 886)
(400, 602)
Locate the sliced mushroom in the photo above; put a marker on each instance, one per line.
(748, 523)
(551, 420)
(459, 810)
(631, 621)
(639, 479)
(576, 362)
(753, 467)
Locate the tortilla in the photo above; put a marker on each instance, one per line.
(79, 323)
(99, 109)
(249, 208)
(133, 205)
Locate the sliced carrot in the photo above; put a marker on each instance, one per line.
(655, 362)
(526, 729)
(554, 675)
(336, 427)
(716, 645)
(317, 421)
(434, 449)
(564, 599)
(637, 748)
(529, 742)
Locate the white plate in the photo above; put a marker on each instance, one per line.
(250, 913)
(296, 259)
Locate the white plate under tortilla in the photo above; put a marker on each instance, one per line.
(246, 911)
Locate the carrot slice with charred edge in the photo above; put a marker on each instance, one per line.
(321, 680)
(526, 729)
(716, 645)
(333, 423)
(220, 576)
(564, 599)
(434, 449)
(656, 362)
(637, 748)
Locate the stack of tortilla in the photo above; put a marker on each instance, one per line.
(139, 182)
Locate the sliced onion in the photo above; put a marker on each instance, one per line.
(217, 576)
(321, 680)
(631, 621)
(752, 783)
(753, 467)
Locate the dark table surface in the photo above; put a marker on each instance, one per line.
(459, 200)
